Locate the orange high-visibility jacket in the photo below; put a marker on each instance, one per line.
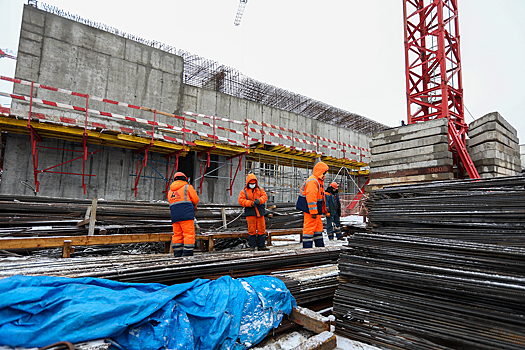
(247, 196)
(183, 200)
(314, 190)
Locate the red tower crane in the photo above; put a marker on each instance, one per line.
(433, 71)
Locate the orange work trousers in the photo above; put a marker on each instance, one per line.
(256, 225)
(312, 231)
(183, 232)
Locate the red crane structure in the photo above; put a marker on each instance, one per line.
(433, 72)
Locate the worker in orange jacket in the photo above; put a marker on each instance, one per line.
(313, 190)
(183, 201)
(252, 198)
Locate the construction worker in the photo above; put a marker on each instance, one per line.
(333, 206)
(313, 193)
(252, 198)
(183, 201)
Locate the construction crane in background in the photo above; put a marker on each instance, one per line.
(240, 11)
(5, 54)
(433, 72)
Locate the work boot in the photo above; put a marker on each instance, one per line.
(262, 248)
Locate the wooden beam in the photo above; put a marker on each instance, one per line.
(309, 319)
(323, 341)
(49, 242)
(66, 249)
(93, 217)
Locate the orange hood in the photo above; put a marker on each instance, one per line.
(319, 169)
(175, 185)
(250, 178)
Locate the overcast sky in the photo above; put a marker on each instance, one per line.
(347, 53)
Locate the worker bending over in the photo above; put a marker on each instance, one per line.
(252, 198)
(312, 202)
(333, 206)
(183, 201)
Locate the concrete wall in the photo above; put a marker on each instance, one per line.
(494, 146)
(63, 53)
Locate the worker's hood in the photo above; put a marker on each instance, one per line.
(250, 178)
(319, 169)
(175, 185)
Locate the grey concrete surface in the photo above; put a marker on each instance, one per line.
(492, 126)
(493, 116)
(411, 165)
(404, 153)
(416, 158)
(66, 54)
(409, 145)
(440, 130)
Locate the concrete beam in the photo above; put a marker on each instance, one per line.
(494, 116)
(493, 136)
(411, 179)
(499, 163)
(442, 130)
(411, 152)
(409, 145)
(494, 154)
(413, 159)
(412, 165)
(407, 129)
(493, 145)
(492, 126)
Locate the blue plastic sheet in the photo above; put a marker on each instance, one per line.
(222, 314)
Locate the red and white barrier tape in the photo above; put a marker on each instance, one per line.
(116, 116)
(139, 120)
(91, 125)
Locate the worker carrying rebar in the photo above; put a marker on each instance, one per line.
(313, 203)
(183, 201)
(333, 215)
(252, 197)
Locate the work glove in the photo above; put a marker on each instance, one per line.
(195, 209)
(314, 216)
(257, 201)
(327, 215)
(252, 204)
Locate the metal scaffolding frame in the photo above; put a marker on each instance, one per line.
(282, 182)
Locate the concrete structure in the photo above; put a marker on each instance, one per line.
(522, 151)
(409, 154)
(494, 146)
(66, 54)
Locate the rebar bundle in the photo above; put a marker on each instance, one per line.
(443, 268)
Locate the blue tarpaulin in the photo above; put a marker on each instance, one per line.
(222, 314)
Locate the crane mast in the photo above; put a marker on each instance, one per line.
(240, 11)
(433, 71)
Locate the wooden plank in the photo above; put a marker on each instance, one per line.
(309, 319)
(66, 249)
(49, 242)
(323, 341)
(93, 217)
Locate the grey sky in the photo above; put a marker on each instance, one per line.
(347, 53)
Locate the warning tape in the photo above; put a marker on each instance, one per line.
(116, 116)
(91, 125)
(139, 120)
(306, 134)
(123, 104)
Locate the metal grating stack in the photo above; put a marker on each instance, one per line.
(437, 271)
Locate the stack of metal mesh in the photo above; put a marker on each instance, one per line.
(443, 268)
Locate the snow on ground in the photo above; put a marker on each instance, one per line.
(291, 340)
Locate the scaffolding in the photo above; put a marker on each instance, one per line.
(282, 183)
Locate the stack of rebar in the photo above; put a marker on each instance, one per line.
(26, 216)
(310, 274)
(443, 268)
